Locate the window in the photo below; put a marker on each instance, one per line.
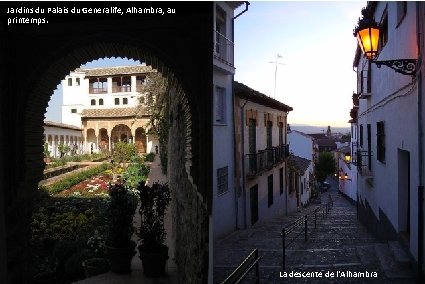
(101, 102)
(361, 136)
(77, 81)
(220, 105)
(369, 147)
(124, 101)
(380, 141)
(269, 134)
(73, 110)
(220, 27)
(252, 144)
(270, 189)
(222, 186)
(383, 38)
(69, 81)
(117, 101)
(98, 85)
(280, 133)
(401, 11)
(281, 181)
(93, 102)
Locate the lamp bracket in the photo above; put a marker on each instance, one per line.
(403, 66)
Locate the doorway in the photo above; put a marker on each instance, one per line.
(404, 194)
(254, 203)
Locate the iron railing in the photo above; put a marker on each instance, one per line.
(223, 49)
(303, 220)
(266, 159)
(98, 90)
(364, 160)
(121, 89)
(244, 268)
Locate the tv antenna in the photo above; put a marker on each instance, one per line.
(276, 62)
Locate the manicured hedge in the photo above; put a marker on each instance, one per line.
(75, 178)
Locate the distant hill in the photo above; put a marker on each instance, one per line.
(309, 129)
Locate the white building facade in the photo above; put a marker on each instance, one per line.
(103, 102)
(388, 127)
(56, 134)
(261, 156)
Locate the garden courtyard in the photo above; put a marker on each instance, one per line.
(70, 219)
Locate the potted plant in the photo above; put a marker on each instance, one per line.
(120, 249)
(98, 263)
(46, 153)
(153, 205)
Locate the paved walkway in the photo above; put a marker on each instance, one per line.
(136, 275)
(340, 245)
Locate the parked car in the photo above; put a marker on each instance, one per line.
(324, 186)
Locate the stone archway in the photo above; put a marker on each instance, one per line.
(140, 140)
(23, 108)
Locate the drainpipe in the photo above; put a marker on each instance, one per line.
(243, 162)
(420, 144)
(234, 132)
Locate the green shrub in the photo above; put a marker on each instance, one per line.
(136, 173)
(75, 178)
(150, 157)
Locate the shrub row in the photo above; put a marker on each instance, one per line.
(75, 178)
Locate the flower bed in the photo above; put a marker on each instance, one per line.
(96, 186)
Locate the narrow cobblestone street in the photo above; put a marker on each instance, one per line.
(340, 245)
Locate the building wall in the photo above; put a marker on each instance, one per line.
(54, 136)
(393, 100)
(348, 187)
(224, 202)
(300, 144)
(279, 200)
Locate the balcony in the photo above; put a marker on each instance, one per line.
(121, 89)
(98, 90)
(363, 161)
(266, 159)
(223, 53)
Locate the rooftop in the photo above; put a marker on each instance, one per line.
(300, 164)
(246, 92)
(61, 125)
(118, 70)
(111, 112)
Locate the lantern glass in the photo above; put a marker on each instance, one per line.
(347, 158)
(368, 39)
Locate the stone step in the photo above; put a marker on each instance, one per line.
(391, 269)
(400, 255)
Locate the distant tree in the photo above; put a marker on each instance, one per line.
(154, 101)
(325, 166)
(63, 149)
(123, 152)
(346, 136)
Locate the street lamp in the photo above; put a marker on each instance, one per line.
(367, 32)
(347, 157)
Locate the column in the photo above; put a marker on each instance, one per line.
(133, 83)
(109, 84)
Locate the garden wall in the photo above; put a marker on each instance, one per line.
(190, 214)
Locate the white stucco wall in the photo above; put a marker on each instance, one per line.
(397, 108)
(300, 144)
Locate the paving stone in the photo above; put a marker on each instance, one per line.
(340, 244)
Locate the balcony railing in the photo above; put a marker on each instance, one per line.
(266, 159)
(223, 49)
(121, 89)
(98, 90)
(364, 160)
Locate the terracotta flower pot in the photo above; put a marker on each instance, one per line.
(154, 259)
(120, 258)
(95, 266)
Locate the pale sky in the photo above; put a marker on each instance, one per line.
(317, 46)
